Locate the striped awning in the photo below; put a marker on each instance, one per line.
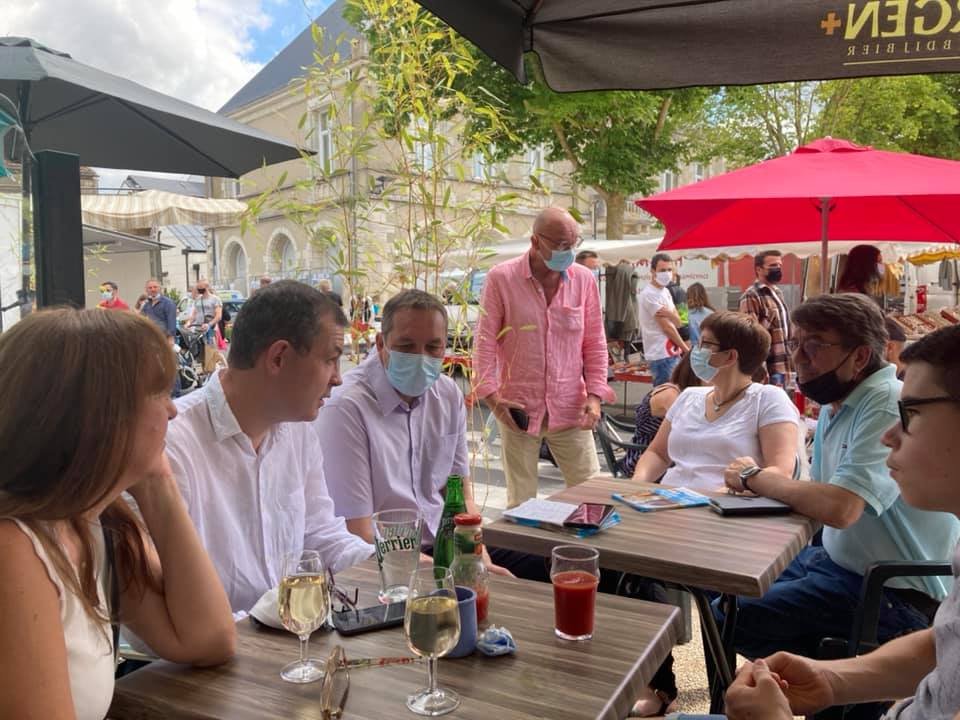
(154, 208)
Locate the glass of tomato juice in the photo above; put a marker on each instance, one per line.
(575, 573)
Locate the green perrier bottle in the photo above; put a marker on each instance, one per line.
(443, 543)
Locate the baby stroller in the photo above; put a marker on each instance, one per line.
(190, 359)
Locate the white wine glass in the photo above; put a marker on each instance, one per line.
(304, 602)
(431, 625)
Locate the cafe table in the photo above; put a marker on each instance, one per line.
(546, 678)
(693, 548)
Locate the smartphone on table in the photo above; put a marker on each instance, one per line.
(589, 516)
(361, 620)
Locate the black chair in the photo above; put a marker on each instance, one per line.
(612, 444)
(863, 634)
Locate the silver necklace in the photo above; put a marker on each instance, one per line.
(717, 406)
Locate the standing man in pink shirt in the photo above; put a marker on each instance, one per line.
(540, 361)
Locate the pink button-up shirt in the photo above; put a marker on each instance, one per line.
(547, 357)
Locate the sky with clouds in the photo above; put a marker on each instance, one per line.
(201, 51)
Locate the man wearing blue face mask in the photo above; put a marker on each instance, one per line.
(396, 429)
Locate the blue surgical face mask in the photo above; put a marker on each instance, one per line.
(700, 364)
(559, 260)
(412, 375)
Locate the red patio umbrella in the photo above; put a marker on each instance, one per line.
(828, 190)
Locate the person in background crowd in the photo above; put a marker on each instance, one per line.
(78, 429)
(653, 409)
(863, 271)
(206, 312)
(764, 301)
(159, 308)
(924, 460)
(589, 259)
(242, 448)
(660, 321)
(679, 296)
(540, 356)
(137, 306)
(838, 349)
(896, 339)
(265, 280)
(698, 307)
(110, 292)
(326, 287)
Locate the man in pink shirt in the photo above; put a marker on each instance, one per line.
(540, 361)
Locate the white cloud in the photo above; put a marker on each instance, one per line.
(194, 50)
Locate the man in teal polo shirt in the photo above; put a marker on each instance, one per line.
(838, 348)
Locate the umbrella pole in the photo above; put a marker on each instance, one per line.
(824, 250)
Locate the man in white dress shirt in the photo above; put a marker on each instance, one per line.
(244, 453)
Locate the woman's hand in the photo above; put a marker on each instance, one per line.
(731, 476)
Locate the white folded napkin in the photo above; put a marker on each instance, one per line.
(266, 609)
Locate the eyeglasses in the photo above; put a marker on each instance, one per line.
(809, 346)
(346, 600)
(336, 684)
(553, 245)
(905, 405)
(703, 342)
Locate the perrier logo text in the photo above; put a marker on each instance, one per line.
(895, 31)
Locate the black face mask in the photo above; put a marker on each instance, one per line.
(827, 388)
(774, 275)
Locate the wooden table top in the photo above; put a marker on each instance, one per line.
(546, 678)
(692, 546)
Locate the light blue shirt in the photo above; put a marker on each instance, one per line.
(847, 452)
(694, 318)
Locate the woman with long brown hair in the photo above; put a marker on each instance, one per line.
(85, 405)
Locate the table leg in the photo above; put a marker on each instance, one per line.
(714, 651)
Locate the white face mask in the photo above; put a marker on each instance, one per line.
(664, 277)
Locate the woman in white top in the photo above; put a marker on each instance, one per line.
(85, 398)
(708, 427)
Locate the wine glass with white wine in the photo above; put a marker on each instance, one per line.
(304, 602)
(431, 625)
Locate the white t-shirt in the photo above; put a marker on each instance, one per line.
(701, 449)
(656, 345)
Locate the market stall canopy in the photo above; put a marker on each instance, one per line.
(891, 252)
(154, 208)
(652, 44)
(112, 122)
(829, 190)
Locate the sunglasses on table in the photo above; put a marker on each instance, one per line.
(905, 405)
(336, 684)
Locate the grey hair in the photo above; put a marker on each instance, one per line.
(411, 299)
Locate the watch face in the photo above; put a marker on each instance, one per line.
(749, 472)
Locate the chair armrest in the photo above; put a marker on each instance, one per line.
(877, 575)
(621, 425)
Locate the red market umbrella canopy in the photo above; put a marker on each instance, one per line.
(828, 190)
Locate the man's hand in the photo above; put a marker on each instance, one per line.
(731, 476)
(757, 694)
(501, 409)
(809, 687)
(591, 413)
(671, 315)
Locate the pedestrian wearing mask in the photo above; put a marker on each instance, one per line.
(764, 301)
(110, 294)
(660, 322)
(540, 361)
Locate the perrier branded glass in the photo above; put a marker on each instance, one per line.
(453, 503)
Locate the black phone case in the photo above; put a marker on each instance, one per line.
(520, 418)
(733, 505)
(347, 629)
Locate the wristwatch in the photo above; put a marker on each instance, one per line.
(746, 474)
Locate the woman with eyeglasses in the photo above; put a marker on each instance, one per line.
(79, 428)
(731, 416)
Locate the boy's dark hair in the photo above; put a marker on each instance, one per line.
(658, 258)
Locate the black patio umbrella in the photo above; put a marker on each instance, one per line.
(652, 44)
(105, 121)
(112, 122)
